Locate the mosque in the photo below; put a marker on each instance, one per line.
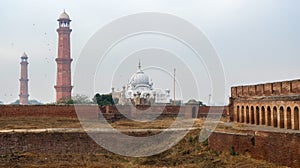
(140, 91)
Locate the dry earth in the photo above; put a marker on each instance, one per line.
(188, 153)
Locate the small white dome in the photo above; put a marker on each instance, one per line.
(64, 15)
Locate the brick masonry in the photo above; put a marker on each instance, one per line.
(48, 143)
(274, 104)
(63, 85)
(37, 110)
(280, 148)
(92, 111)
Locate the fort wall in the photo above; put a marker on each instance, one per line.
(92, 111)
(272, 104)
(67, 111)
(47, 142)
(267, 89)
(280, 148)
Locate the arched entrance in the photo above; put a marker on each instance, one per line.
(247, 115)
(289, 118)
(275, 122)
(257, 115)
(269, 114)
(296, 118)
(243, 114)
(281, 117)
(194, 114)
(263, 116)
(238, 114)
(252, 115)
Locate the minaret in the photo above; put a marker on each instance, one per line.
(63, 81)
(174, 87)
(24, 80)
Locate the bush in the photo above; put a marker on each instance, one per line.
(103, 100)
(232, 151)
(205, 143)
(191, 139)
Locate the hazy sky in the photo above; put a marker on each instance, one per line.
(256, 40)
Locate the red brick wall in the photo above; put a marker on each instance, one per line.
(245, 91)
(202, 110)
(296, 86)
(88, 111)
(239, 91)
(267, 89)
(234, 91)
(252, 90)
(277, 88)
(48, 142)
(259, 90)
(286, 87)
(37, 110)
(280, 148)
(225, 141)
(156, 108)
(92, 111)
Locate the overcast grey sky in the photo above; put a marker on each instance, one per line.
(256, 40)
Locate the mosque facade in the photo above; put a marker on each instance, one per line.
(140, 91)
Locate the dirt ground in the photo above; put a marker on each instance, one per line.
(188, 153)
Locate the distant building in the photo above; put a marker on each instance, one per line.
(140, 91)
(24, 80)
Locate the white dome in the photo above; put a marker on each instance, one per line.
(64, 15)
(139, 83)
(139, 78)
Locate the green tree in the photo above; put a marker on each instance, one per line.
(103, 100)
(201, 103)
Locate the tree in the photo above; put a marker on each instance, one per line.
(34, 102)
(79, 99)
(201, 103)
(1, 102)
(103, 100)
(30, 102)
(16, 102)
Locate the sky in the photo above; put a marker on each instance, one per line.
(256, 40)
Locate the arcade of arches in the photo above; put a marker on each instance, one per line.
(269, 115)
(277, 106)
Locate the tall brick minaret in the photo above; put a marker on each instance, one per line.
(24, 80)
(63, 81)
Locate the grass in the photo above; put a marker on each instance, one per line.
(38, 122)
(59, 122)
